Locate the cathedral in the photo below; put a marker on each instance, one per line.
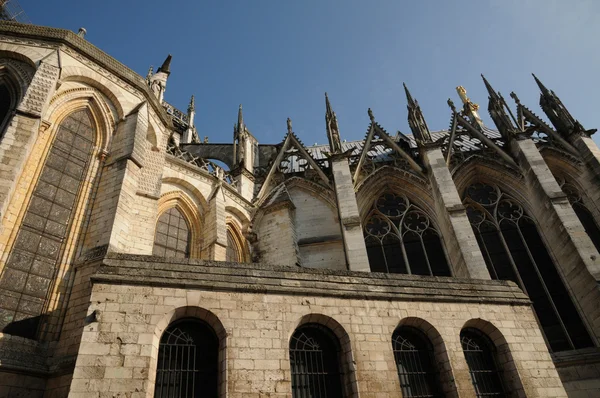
(139, 260)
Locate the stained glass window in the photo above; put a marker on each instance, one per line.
(33, 259)
(172, 237)
(401, 238)
(513, 250)
(233, 249)
(583, 213)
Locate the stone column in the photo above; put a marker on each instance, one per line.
(350, 225)
(576, 257)
(462, 247)
(215, 243)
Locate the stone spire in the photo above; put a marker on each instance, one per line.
(158, 81)
(189, 133)
(240, 122)
(289, 126)
(497, 108)
(333, 131)
(166, 66)
(558, 114)
(416, 120)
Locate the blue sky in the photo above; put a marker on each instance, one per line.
(278, 58)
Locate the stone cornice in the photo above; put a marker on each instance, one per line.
(64, 36)
(269, 279)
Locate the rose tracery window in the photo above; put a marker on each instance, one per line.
(513, 250)
(401, 238)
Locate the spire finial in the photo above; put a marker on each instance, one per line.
(370, 112)
(490, 89)
(451, 105)
(409, 97)
(328, 106)
(543, 88)
(513, 95)
(289, 126)
(166, 66)
(333, 131)
(416, 120)
(192, 105)
(150, 73)
(240, 118)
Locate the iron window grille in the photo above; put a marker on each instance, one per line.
(513, 250)
(188, 361)
(315, 364)
(480, 355)
(415, 363)
(401, 238)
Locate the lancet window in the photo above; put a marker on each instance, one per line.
(480, 355)
(583, 213)
(401, 238)
(172, 237)
(234, 251)
(39, 244)
(513, 250)
(415, 363)
(315, 363)
(188, 361)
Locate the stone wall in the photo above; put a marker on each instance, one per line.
(259, 307)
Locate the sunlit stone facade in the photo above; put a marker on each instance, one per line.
(139, 260)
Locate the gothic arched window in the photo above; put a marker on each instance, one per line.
(513, 250)
(6, 102)
(39, 244)
(315, 363)
(480, 355)
(415, 363)
(583, 213)
(401, 239)
(234, 251)
(188, 361)
(172, 237)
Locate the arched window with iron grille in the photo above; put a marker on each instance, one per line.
(315, 363)
(402, 239)
(513, 250)
(480, 355)
(188, 361)
(415, 363)
(172, 237)
(583, 213)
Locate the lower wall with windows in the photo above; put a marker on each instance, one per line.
(255, 309)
